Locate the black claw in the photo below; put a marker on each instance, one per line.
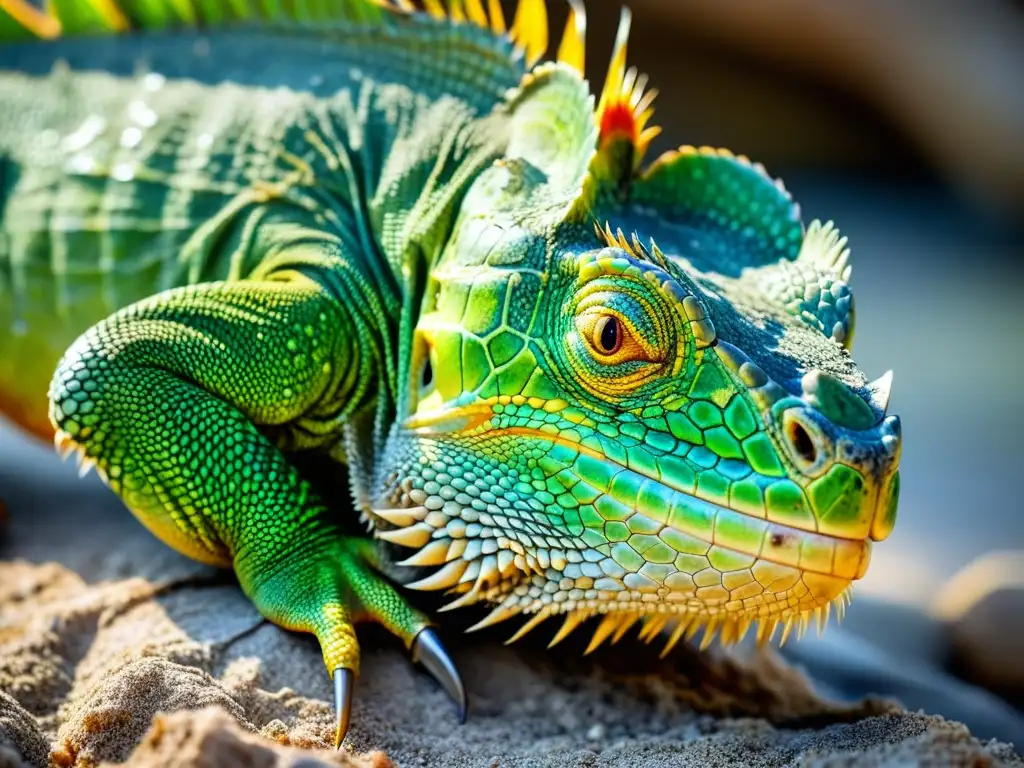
(344, 684)
(428, 651)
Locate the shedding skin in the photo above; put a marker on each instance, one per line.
(566, 386)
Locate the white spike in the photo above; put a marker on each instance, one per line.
(881, 389)
(766, 630)
(402, 518)
(506, 561)
(489, 573)
(472, 574)
(64, 443)
(787, 629)
(473, 549)
(85, 463)
(455, 549)
(441, 578)
(412, 536)
(804, 621)
(433, 553)
(502, 613)
(840, 605)
(824, 247)
(471, 597)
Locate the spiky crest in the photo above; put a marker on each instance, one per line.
(625, 108)
(632, 246)
(673, 627)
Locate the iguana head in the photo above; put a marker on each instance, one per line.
(665, 423)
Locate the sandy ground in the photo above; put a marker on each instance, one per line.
(102, 627)
(85, 668)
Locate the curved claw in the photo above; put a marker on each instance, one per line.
(344, 684)
(428, 651)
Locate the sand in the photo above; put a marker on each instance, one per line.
(115, 650)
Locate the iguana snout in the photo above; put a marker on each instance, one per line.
(844, 451)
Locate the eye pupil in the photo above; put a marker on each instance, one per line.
(608, 335)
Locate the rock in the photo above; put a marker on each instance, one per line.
(983, 607)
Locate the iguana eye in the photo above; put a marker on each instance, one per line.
(607, 335)
(610, 338)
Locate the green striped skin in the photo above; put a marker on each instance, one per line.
(113, 188)
(403, 272)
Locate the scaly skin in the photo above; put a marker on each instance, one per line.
(653, 418)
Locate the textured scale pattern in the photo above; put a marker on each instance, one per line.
(563, 382)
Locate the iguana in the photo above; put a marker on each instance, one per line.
(564, 383)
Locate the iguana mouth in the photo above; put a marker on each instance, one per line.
(716, 524)
(631, 542)
(720, 525)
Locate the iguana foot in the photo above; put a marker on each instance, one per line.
(326, 591)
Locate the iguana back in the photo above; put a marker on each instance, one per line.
(125, 160)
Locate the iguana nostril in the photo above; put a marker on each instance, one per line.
(801, 441)
(428, 375)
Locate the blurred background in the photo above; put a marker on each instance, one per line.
(904, 123)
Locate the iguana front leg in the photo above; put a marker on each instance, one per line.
(172, 399)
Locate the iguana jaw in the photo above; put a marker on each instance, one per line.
(661, 550)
